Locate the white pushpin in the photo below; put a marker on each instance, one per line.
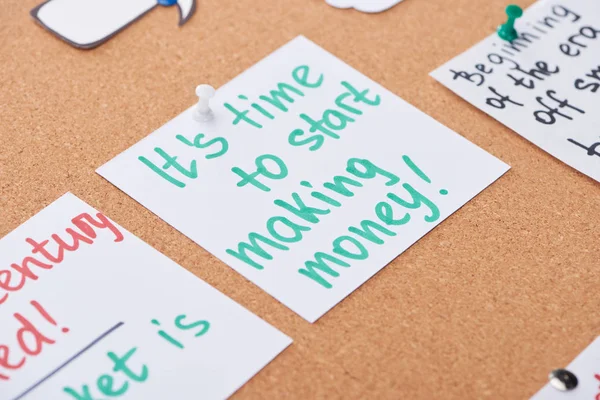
(203, 111)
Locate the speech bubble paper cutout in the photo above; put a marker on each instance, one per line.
(367, 6)
(89, 23)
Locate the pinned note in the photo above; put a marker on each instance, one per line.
(89, 311)
(89, 23)
(545, 84)
(308, 179)
(367, 6)
(584, 370)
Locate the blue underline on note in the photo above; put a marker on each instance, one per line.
(69, 361)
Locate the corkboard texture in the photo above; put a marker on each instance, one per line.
(483, 307)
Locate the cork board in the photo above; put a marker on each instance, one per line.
(482, 307)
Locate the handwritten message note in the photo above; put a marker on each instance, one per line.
(545, 85)
(309, 179)
(89, 311)
(586, 368)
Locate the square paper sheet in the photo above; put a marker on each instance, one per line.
(318, 180)
(545, 85)
(586, 368)
(89, 311)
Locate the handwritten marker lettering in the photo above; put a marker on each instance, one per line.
(300, 217)
(44, 258)
(543, 84)
(122, 369)
(199, 328)
(45, 255)
(126, 371)
(31, 338)
(325, 177)
(584, 84)
(590, 150)
(70, 329)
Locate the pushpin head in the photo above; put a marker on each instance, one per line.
(513, 11)
(206, 91)
(563, 380)
(166, 3)
(203, 111)
(507, 31)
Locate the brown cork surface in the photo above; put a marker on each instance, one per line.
(484, 306)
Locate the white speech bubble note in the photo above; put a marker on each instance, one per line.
(88, 23)
(367, 6)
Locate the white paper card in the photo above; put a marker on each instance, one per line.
(280, 194)
(89, 23)
(586, 367)
(89, 311)
(545, 85)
